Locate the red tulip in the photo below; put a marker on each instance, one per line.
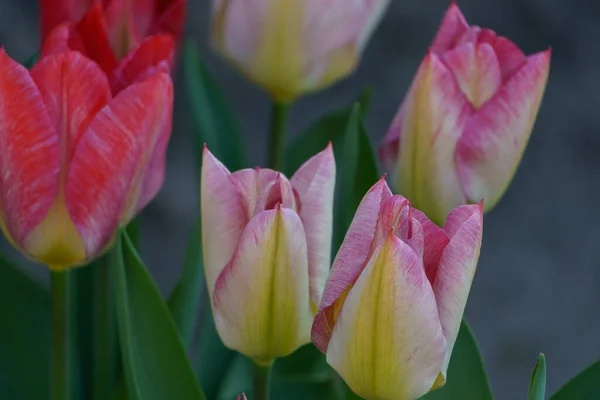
(124, 23)
(76, 162)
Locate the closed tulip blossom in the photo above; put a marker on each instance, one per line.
(76, 162)
(463, 127)
(120, 24)
(291, 47)
(88, 36)
(395, 297)
(267, 250)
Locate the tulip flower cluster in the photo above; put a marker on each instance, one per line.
(83, 140)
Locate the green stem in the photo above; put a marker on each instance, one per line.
(262, 381)
(61, 330)
(105, 330)
(279, 116)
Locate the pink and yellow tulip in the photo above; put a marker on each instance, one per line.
(394, 300)
(291, 47)
(75, 161)
(463, 127)
(267, 252)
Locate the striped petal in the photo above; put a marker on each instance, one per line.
(351, 259)
(453, 26)
(261, 299)
(456, 270)
(224, 216)
(477, 71)
(251, 183)
(106, 161)
(435, 242)
(314, 182)
(154, 54)
(494, 139)
(29, 152)
(388, 341)
(432, 124)
(150, 170)
(74, 90)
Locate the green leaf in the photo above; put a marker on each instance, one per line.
(214, 121)
(24, 336)
(537, 385)
(155, 361)
(585, 386)
(356, 167)
(302, 375)
(467, 378)
(184, 302)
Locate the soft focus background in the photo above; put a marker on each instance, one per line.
(538, 283)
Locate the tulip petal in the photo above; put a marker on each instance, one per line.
(171, 19)
(426, 172)
(251, 183)
(154, 54)
(453, 26)
(349, 262)
(107, 159)
(93, 35)
(261, 299)
(29, 152)
(456, 270)
(476, 69)
(224, 216)
(74, 89)
(56, 12)
(494, 139)
(151, 168)
(387, 342)
(314, 183)
(435, 240)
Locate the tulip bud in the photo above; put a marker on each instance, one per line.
(462, 129)
(123, 24)
(89, 36)
(291, 47)
(267, 249)
(76, 162)
(395, 297)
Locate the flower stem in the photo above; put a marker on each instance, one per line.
(262, 381)
(279, 116)
(61, 331)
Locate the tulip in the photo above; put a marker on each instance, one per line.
(291, 47)
(123, 23)
(76, 162)
(88, 36)
(395, 297)
(267, 251)
(462, 129)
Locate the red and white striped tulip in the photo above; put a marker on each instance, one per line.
(88, 36)
(76, 162)
(267, 252)
(292, 47)
(115, 26)
(395, 297)
(461, 131)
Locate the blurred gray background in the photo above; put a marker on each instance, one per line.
(537, 288)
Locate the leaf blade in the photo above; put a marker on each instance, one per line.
(148, 335)
(537, 385)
